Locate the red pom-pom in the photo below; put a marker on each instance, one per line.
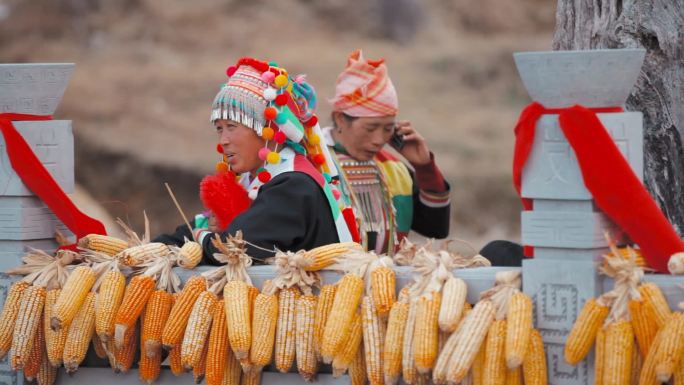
(270, 113)
(231, 70)
(219, 148)
(280, 137)
(319, 159)
(264, 176)
(224, 196)
(281, 99)
(312, 121)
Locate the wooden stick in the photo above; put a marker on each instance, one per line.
(180, 210)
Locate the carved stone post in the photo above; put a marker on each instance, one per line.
(565, 227)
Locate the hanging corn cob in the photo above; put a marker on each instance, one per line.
(454, 295)
(347, 298)
(137, 293)
(197, 330)
(9, 315)
(264, 324)
(285, 341)
(199, 370)
(534, 365)
(123, 356)
(72, 296)
(495, 354)
(383, 287)
(103, 244)
(394, 339)
(323, 308)
(217, 345)
(54, 339)
(47, 374)
(373, 341)
(172, 333)
(425, 334)
(27, 324)
(325, 256)
(348, 353)
(307, 362)
(32, 366)
(140, 250)
(80, 333)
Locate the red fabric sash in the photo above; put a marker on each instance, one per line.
(616, 189)
(40, 182)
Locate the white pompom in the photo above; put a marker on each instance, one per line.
(676, 263)
(270, 94)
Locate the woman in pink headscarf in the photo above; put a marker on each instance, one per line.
(388, 197)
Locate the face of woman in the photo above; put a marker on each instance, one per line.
(240, 144)
(363, 137)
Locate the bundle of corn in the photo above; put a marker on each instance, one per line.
(140, 250)
(23, 318)
(104, 244)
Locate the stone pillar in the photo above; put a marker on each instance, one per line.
(25, 221)
(565, 227)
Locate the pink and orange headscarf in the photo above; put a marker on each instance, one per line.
(364, 89)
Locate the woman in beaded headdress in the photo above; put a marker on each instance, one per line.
(273, 180)
(389, 198)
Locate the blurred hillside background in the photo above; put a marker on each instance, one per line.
(147, 71)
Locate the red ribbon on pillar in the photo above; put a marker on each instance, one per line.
(40, 182)
(616, 189)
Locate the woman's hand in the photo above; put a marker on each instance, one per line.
(415, 148)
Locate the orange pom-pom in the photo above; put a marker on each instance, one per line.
(267, 133)
(222, 167)
(270, 113)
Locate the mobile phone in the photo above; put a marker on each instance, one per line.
(397, 140)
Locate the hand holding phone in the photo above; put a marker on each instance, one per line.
(397, 139)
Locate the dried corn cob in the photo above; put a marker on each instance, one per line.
(644, 324)
(478, 367)
(54, 340)
(26, 325)
(648, 369)
(323, 308)
(637, 362)
(124, 356)
(345, 357)
(32, 365)
(9, 316)
(373, 343)
(347, 298)
(519, 327)
(80, 332)
(304, 324)
(534, 365)
(599, 356)
(236, 295)
(584, 331)
(218, 345)
(453, 299)
(71, 297)
(175, 361)
(679, 373)
(475, 328)
(495, 357)
(651, 294)
(156, 314)
(439, 373)
(618, 347)
(357, 369)
(408, 364)
(191, 255)
(103, 244)
(514, 376)
(251, 378)
(199, 370)
(426, 333)
(671, 351)
(394, 341)
(47, 373)
(149, 368)
(178, 318)
(136, 255)
(108, 300)
(233, 370)
(135, 298)
(99, 347)
(285, 340)
(324, 256)
(197, 331)
(264, 325)
(383, 288)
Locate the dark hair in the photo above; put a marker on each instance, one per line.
(346, 117)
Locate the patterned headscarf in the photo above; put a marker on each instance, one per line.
(364, 89)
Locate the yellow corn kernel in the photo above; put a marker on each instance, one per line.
(478, 369)
(124, 356)
(149, 368)
(156, 314)
(357, 369)
(495, 358)
(135, 298)
(534, 365)
(233, 370)
(651, 294)
(323, 308)
(197, 330)
(54, 339)
(174, 329)
(32, 365)
(583, 332)
(345, 356)
(264, 325)
(9, 316)
(453, 299)
(373, 343)
(347, 298)
(107, 303)
(671, 350)
(218, 345)
(519, 327)
(175, 361)
(599, 356)
(617, 361)
(383, 288)
(80, 332)
(236, 295)
(285, 340)
(47, 375)
(74, 292)
(426, 333)
(394, 341)
(191, 255)
(306, 354)
(514, 376)
(324, 256)
(644, 324)
(26, 325)
(102, 244)
(475, 328)
(199, 370)
(137, 255)
(408, 364)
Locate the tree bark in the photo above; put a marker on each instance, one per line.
(657, 26)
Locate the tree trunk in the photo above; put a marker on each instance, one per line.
(657, 26)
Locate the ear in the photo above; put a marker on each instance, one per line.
(340, 121)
